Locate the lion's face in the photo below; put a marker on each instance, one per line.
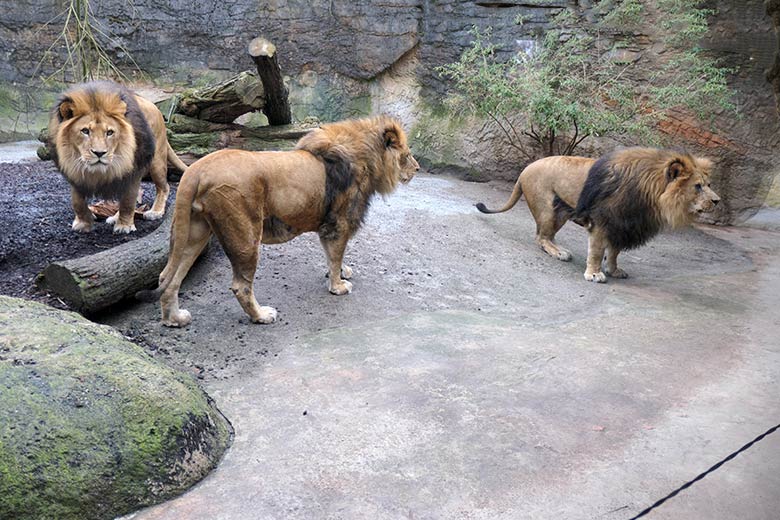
(95, 142)
(704, 197)
(407, 166)
(398, 160)
(688, 192)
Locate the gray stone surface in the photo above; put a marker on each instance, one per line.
(471, 376)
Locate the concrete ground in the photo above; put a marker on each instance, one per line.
(470, 376)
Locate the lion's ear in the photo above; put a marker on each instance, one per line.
(674, 170)
(65, 109)
(391, 137)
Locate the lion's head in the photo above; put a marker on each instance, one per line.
(687, 190)
(373, 148)
(399, 163)
(94, 135)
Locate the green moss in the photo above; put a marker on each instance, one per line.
(328, 100)
(90, 425)
(23, 111)
(436, 137)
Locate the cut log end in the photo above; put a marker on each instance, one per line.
(260, 47)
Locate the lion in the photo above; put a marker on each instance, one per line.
(246, 199)
(623, 199)
(104, 140)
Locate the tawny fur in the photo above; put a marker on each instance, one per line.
(105, 139)
(249, 198)
(623, 199)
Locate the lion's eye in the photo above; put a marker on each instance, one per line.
(85, 131)
(109, 133)
(698, 187)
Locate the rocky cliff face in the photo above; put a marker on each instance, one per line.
(346, 58)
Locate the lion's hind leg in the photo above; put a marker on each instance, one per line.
(549, 221)
(242, 247)
(199, 234)
(159, 173)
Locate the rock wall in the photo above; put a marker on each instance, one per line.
(347, 58)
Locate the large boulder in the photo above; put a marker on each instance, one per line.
(91, 426)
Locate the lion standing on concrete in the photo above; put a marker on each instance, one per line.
(623, 200)
(247, 199)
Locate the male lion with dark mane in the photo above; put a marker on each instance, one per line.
(105, 139)
(623, 199)
(247, 199)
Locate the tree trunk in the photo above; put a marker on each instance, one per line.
(224, 102)
(277, 107)
(93, 282)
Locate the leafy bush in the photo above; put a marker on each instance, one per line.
(567, 87)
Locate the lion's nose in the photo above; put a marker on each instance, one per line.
(98, 154)
(715, 201)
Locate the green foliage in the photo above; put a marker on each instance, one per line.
(568, 86)
(621, 13)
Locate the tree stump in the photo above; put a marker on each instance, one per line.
(277, 107)
(94, 282)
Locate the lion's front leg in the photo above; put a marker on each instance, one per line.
(596, 246)
(612, 268)
(124, 221)
(84, 218)
(334, 251)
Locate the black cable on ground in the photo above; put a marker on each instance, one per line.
(702, 475)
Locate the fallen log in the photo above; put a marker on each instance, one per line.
(94, 282)
(197, 138)
(277, 106)
(224, 102)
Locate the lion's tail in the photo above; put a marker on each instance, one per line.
(174, 160)
(180, 233)
(517, 192)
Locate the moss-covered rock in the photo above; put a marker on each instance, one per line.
(90, 425)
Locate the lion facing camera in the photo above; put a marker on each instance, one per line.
(623, 199)
(104, 140)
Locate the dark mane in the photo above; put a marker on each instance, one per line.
(613, 198)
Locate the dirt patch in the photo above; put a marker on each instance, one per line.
(35, 218)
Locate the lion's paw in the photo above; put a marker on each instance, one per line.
(598, 277)
(181, 318)
(82, 226)
(346, 272)
(564, 256)
(123, 228)
(153, 215)
(267, 315)
(617, 273)
(344, 287)
(113, 218)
